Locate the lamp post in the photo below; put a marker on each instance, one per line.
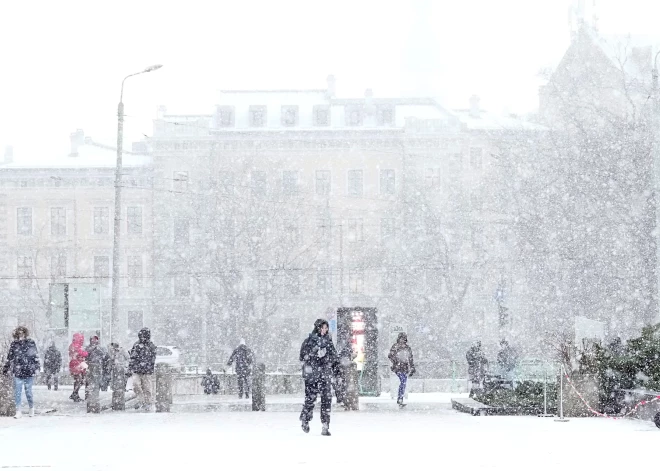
(114, 321)
(656, 177)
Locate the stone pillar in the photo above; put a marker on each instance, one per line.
(7, 405)
(351, 388)
(163, 388)
(92, 390)
(259, 388)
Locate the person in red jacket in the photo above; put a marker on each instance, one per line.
(77, 365)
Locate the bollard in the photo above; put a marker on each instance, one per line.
(92, 390)
(163, 388)
(259, 388)
(118, 390)
(7, 404)
(351, 398)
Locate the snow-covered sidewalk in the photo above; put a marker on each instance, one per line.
(361, 440)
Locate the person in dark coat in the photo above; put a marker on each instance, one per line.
(210, 383)
(23, 363)
(118, 366)
(96, 360)
(320, 361)
(507, 360)
(142, 364)
(477, 364)
(244, 359)
(403, 364)
(52, 366)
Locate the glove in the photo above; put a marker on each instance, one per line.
(128, 374)
(412, 372)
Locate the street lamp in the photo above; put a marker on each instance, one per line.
(114, 321)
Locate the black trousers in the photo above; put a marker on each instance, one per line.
(243, 384)
(313, 388)
(52, 377)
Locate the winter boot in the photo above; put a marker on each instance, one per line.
(31, 411)
(18, 414)
(305, 426)
(325, 431)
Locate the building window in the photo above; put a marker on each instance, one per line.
(456, 162)
(290, 182)
(134, 220)
(258, 182)
(226, 181)
(134, 271)
(58, 266)
(355, 229)
(476, 157)
(323, 182)
(321, 115)
(477, 236)
(385, 116)
(476, 201)
(323, 227)
(387, 229)
(225, 116)
(292, 231)
(432, 177)
(388, 282)
(356, 281)
(434, 279)
(324, 281)
(263, 284)
(180, 180)
(355, 183)
(58, 222)
(181, 231)
(101, 268)
(258, 115)
(387, 182)
(354, 116)
(24, 221)
(293, 281)
(289, 116)
(24, 271)
(101, 220)
(182, 286)
(135, 323)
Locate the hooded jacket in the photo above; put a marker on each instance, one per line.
(318, 354)
(244, 358)
(77, 355)
(401, 356)
(143, 354)
(52, 360)
(22, 359)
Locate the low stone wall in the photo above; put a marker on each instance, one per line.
(185, 384)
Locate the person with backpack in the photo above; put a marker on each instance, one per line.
(52, 366)
(403, 365)
(320, 362)
(23, 363)
(142, 364)
(244, 358)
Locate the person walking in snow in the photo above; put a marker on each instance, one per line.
(142, 364)
(403, 364)
(96, 361)
(52, 366)
(244, 359)
(477, 365)
(77, 365)
(319, 358)
(23, 363)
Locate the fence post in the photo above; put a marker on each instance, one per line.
(93, 389)
(351, 398)
(561, 396)
(7, 405)
(259, 388)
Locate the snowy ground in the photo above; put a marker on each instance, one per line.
(444, 439)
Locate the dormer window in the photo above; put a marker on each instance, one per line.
(257, 116)
(289, 116)
(321, 115)
(225, 116)
(354, 116)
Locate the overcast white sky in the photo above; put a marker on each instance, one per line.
(63, 62)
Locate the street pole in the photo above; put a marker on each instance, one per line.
(114, 316)
(656, 180)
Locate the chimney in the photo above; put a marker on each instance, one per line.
(474, 106)
(331, 92)
(9, 154)
(77, 140)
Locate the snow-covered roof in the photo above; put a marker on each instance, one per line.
(90, 155)
(486, 121)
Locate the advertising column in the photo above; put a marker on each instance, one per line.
(395, 330)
